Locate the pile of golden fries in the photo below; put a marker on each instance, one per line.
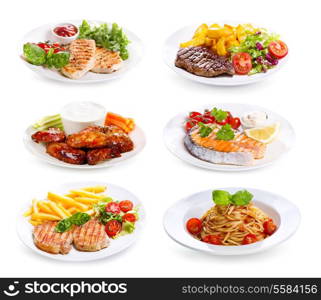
(58, 207)
(220, 38)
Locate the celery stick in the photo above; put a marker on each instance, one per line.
(49, 122)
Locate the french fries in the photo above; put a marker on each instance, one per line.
(58, 207)
(219, 38)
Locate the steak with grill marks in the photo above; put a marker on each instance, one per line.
(202, 61)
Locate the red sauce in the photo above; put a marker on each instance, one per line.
(66, 30)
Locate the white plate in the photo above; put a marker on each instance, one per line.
(43, 33)
(39, 150)
(174, 134)
(24, 228)
(185, 34)
(285, 214)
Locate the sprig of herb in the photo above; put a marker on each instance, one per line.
(219, 114)
(239, 198)
(226, 133)
(78, 219)
(204, 130)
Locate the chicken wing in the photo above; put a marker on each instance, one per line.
(96, 156)
(87, 139)
(66, 153)
(48, 136)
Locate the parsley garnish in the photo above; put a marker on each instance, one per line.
(219, 114)
(204, 130)
(226, 133)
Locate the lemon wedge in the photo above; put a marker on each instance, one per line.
(264, 134)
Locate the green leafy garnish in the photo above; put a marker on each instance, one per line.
(239, 198)
(113, 39)
(204, 130)
(34, 54)
(78, 219)
(226, 133)
(219, 114)
(128, 227)
(221, 197)
(242, 198)
(57, 60)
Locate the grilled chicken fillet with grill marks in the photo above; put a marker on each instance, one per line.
(48, 240)
(106, 61)
(90, 236)
(82, 58)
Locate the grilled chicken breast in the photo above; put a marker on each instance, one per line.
(242, 150)
(82, 58)
(106, 61)
(48, 240)
(90, 236)
(66, 153)
(50, 135)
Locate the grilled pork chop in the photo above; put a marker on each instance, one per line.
(82, 58)
(242, 150)
(48, 240)
(203, 62)
(90, 236)
(106, 61)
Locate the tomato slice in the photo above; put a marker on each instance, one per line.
(112, 228)
(129, 217)
(235, 123)
(189, 125)
(212, 239)
(278, 49)
(113, 207)
(242, 63)
(249, 239)
(194, 114)
(126, 205)
(194, 226)
(269, 227)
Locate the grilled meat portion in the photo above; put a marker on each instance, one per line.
(104, 129)
(50, 135)
(120, 141)
(106, 61)
(48, 240)
(99, 155)
(90, 139)
(90, 236)
(203, 62)
(82, 58)
(65, 153)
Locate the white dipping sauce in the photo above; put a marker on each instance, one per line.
(79, 115)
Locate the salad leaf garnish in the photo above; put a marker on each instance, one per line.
(239, 198)
(204, 130)
(78, 219)
(226, 133)
(34, 54)
(113, 38)
(219, 114)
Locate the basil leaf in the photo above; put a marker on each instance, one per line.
(241, 198)
(221, 197)
(79, 218)
(63, 225)
(34, 54)
(226, 133)
(219, 114)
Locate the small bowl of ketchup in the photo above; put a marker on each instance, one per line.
(65, 33)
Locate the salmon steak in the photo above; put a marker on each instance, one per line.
(90, 236)
(242, 150)
(82, 58)
(48, 240)
(106, 61)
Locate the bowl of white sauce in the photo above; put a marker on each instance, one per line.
(77, 116)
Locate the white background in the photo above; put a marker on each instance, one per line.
(152, 94)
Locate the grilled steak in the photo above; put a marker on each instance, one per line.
(46, 239)
(50, 135)
(82, 58)
(90, 236)
(106, 61)
(203, 62)
(66, 153)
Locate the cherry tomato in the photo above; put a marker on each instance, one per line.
(209, 116)
(278, 49)
(194, 226)
(249, 239)
(242, 63)
(189, 125)
(235, 123)
(193, 114)
(113, 207)
(212, 239)
(225, 121)
(56, 50)
(129, 217)
(198, 119)
(43, 45)
(56, 45)
(113, 227)
(126, 205)
(269, 227)
(206, 121)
